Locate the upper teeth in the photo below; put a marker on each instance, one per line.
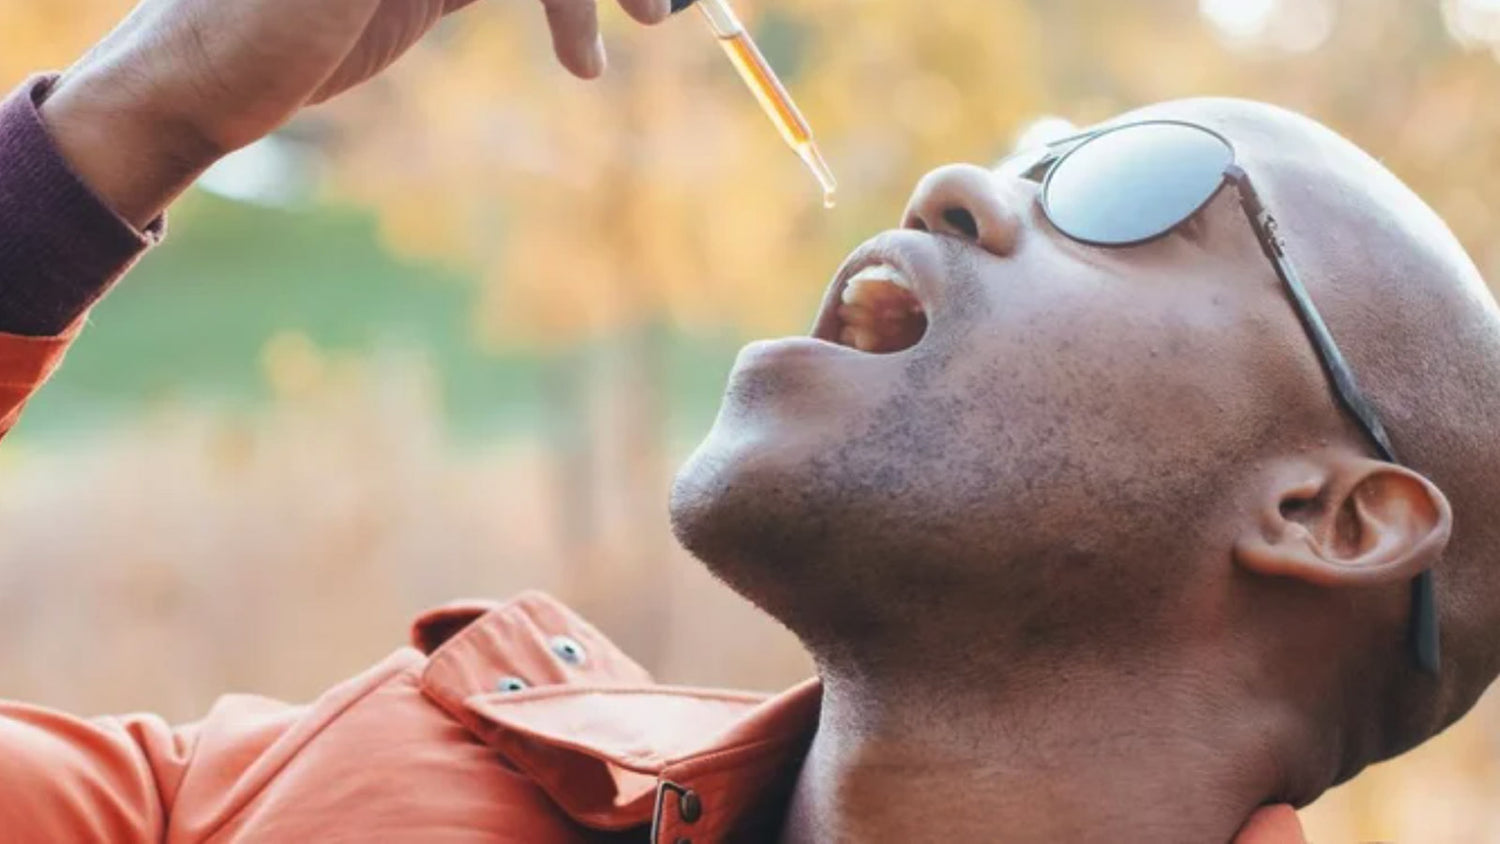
(881, 286)
(877, 272)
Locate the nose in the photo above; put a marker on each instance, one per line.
(967, 202)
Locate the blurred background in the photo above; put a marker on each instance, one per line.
(450, 336)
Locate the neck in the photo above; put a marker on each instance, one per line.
(1109, 755)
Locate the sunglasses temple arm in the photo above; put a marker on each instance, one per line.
(1424, 625)
(1338, 370)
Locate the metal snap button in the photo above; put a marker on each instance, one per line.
(511, 684)
(690, 806)
(568, 650)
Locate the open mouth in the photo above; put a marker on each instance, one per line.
(882, 300)
(879, 312)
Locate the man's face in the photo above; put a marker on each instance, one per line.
(1064, 409)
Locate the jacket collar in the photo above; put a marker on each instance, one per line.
(609, 747)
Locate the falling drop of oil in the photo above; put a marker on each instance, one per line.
(813, 157)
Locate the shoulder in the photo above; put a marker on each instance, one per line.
(406, 735)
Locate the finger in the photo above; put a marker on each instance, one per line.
(647, 11)
(575, 36)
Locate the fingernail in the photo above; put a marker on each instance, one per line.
(598, 59)
(662, 10)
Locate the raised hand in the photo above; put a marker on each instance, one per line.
(180, 83)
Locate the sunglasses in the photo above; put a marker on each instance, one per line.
(1131, 184)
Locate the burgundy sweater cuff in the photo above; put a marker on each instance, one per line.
(61, 246)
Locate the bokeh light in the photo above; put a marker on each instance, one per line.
(274, 172)
(1238, 19)
(1473, 23)
(1295, 27)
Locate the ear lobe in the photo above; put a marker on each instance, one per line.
(1347, 521)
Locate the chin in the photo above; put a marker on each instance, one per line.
(776, 524)
(745, 506)
(714, 495)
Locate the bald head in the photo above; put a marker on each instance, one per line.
(1422, 332)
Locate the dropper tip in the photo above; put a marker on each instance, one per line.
(813, 157)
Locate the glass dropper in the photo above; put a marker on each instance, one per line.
(768, 90)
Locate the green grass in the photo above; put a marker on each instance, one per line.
(191, 321)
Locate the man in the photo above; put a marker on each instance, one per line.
(1085, 501)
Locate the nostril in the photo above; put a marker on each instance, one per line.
(963, 221)
(968, 203)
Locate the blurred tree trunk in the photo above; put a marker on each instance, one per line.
(642, 451)
(566, 393)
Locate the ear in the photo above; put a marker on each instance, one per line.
(1342, 520)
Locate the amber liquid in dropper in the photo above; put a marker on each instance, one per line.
(779, 107)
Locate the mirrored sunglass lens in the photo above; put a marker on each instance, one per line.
(1133, 184)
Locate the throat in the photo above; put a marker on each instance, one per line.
(936, 768)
